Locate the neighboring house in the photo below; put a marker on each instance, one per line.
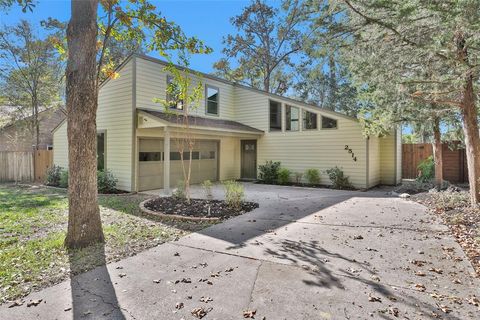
(236, 128)
(17, 137)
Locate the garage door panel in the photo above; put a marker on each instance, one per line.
(150, 165)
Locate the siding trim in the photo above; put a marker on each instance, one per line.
(133, 182)
(395, 160)
(367, 176)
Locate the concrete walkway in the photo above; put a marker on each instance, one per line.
(304, 254)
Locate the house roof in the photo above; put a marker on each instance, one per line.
(235, 84)
(203, 122)
(60, 112)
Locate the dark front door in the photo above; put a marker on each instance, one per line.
(249, 159)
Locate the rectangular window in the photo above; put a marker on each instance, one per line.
(207, 155)
(173, 94)
(186, 155)
(329, 123)
(309, 120)
(212, 101)
(101, 151)
(275, 116)
(150, 156)
(293, 118)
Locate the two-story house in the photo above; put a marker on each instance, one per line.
(235, 129)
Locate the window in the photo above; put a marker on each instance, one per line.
(186, 155)
(329, 123)
(150, 156)
(293, 118)
(101, 151)
(309, 120)
(211, 94)
(207, 155)
(275, 116)
(173, 93)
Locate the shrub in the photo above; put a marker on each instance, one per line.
(313, 176)
(269, 171)
(207, 188)
(106, 181)
(298, 177)
(53, 176)
(427, 170)
(63, 183)
(234, 194)
(283, 176)
(338, 178)
(179, 192)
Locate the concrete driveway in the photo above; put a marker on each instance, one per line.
(303, 254)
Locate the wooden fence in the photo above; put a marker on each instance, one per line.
(16, 166)
(454, 161)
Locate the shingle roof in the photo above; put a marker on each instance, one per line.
(203, 122)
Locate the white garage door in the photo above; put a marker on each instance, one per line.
(150, 164)
(204, 163)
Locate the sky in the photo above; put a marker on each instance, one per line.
(207, 20)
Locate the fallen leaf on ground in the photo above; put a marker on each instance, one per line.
(445, 309)
(373, 298)
(121, 275)
(474, 300)
(16, 303)
(357, 237)
(420, 273)
(179, 305)
(199, 312)
(393, 311)
(439, 271)
(34, 303)
(206, 299)
(420, 287)
(375, 278)
(418, 263)
(249, 314)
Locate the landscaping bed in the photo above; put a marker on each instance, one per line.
(463, 220)
(33, 223)
(197, 208)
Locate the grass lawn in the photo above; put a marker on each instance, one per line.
(33, 223)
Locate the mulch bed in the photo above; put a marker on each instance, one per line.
(463, 220)
(197, 207)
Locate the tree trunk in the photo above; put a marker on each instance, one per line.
(472, 140)
(437, 153)
(470, 122)
(84, 224)
(332, 82)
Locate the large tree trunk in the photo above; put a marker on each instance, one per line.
(84, 224)
(437, 153)
(472, 140)
(470, 122)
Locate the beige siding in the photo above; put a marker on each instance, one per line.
(387, 159)
(60, 146)
(399, 155)
(298, 151)
(374, 174)
(114, 116)
(152, 84)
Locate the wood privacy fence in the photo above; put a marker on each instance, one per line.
(454, 161)
(16, 166)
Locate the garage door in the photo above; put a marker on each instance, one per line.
(204, 163)
(150, 164)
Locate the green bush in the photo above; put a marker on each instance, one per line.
(234, 194)
(269, 171)
(53, 176)
(179, 192)
(207, 188)
(427, 170)
(106, 181)
(338, 178)
(283, 176)
(63, 183)
(313, 176)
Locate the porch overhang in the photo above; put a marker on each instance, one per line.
(148, 119)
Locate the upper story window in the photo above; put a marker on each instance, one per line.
(173, 94)
(212, 100)
(329, 123)
(293, 118)
(309, 120)
(275, 116)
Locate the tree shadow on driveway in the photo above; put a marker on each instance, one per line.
(93, 294)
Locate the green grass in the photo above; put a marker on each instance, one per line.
(33, 222)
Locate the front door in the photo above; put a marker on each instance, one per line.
(249, 159)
